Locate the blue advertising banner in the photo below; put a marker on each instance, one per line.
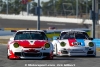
(97, 42)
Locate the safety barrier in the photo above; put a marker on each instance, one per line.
(49, 19)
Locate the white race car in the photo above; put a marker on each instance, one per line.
(30, 44)
(74, 43)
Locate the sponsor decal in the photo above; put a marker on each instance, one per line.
(81, 41)
(76, 42)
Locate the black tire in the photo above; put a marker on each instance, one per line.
(91, 56)
(56, 50)
(48, 58)
(7, 56)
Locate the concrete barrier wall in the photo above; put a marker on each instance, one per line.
(6, 33)
(44, 18)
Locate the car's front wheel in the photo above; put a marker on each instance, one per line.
(55, 50)
(50, 57)
(92, 55)
(7, 54)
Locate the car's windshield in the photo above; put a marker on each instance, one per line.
(30, 35)
(76, 35)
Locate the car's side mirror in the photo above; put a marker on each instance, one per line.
(90, 38)
(12, 38)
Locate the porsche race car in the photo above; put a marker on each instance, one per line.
(30, 44)
(74, 43)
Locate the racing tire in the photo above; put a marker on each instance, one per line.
(7, 56)
(92, 55)
(56, 51)
(50, 57)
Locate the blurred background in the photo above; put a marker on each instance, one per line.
(79, 9)
(57, 8)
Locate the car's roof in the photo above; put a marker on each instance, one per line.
(72, 31)
(31, 30)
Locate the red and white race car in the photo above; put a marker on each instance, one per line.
(30, 44)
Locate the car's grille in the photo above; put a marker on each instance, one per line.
(32, 54)
(90, 52)
(46, 54)
(18, 53)
(77, 51)
(64, 52)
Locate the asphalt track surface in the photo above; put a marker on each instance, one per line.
(9, 23)
(57, 62)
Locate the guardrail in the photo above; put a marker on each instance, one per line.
(44, 18)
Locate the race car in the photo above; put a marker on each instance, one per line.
(30, 44)
(74, 43)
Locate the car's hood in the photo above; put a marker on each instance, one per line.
(31, 43)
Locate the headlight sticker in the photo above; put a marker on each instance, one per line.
(63, 44)
(91, 44)
(16, 45)
(47, 45)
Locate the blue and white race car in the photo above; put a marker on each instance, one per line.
(74, 43)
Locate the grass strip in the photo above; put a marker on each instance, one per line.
(98, 49)
(21, 28)
(4, 41)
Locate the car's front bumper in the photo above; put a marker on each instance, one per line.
(27, 55)
(76, 52)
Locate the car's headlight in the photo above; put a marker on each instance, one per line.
(62, 44)
(47, 45)
(91, 44)
(16, 45)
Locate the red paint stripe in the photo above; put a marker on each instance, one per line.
(71, 42)
(12, 56)
(36, 44)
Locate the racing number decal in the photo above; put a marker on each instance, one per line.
(81, 41)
